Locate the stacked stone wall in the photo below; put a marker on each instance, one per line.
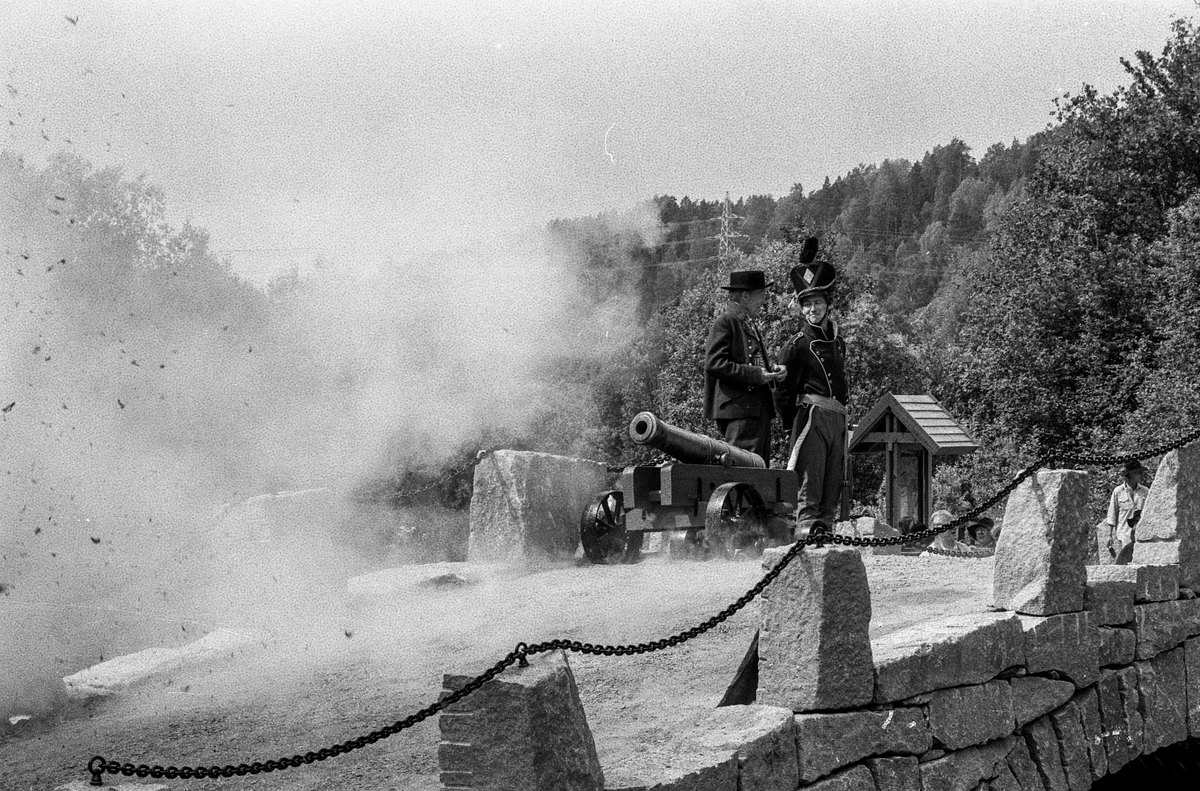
(1077, 671)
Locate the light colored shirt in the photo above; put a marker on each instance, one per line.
(1124, 502)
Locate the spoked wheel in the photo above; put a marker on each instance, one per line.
(602, 531)
(735, 522)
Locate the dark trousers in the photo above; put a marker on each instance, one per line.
(748, 433)
(819, 457)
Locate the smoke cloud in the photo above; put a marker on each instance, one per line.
(152, 395)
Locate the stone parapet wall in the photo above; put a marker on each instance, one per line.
(1078, 670)
(983, 702)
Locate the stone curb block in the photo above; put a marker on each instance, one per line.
(1164, 713)
(963, 770)
(1067, 643)
(1040, 558)
(952, 652)
(1158, 626)
(1117, 646)
(1110, 594)
(966, 716)
(826, 742)
(124, 672)
(1034, 696)
(814, 647)
(896, 774)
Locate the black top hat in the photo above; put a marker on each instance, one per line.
(747, 280)
(811, 278)
(1133, 466)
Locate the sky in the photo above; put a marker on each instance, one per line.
(366, 133)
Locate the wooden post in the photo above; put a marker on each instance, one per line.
(847, 477)
(890, 475)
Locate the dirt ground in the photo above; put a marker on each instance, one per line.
(370, 659)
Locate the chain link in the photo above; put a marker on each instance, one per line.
(98, 765)
(958, 553)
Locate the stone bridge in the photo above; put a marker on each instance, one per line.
(1075, 671)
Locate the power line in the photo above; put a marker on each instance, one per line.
(727, 234)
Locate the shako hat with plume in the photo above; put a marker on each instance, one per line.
(811, 276)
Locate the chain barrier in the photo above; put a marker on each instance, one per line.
(98, 765)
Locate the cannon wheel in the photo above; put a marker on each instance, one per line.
(735, 520)
(602, 531)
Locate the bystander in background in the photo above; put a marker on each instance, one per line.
(1124, 510)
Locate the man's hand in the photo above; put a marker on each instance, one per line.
(777, 373)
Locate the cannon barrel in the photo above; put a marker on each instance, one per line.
(688, 447)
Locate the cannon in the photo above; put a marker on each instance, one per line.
(724, 499)
(689, 447)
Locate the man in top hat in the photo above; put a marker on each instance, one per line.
(1125, 508)
(737, 376)
(812, 399)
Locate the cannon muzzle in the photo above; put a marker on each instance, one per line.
(688, 447)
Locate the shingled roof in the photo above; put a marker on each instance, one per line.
(920, 419)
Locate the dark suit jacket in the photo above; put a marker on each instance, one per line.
(816, 363)
(734, 386)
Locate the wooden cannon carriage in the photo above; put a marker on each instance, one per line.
(723, 498)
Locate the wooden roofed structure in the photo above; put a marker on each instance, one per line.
(911, 430)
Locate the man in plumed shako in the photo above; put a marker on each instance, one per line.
(812, 399)
(737, 376)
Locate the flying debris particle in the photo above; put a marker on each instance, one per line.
(37, 350)
(59, 197)
(4, 589)
(120, 403)
(348, 633)
(25, 256)
(37, 530)
(74, 20)
(134, 362)
(94, 539)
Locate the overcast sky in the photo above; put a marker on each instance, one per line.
(361, 132)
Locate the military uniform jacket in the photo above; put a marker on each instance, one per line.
(816, 364)
(734, 386)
